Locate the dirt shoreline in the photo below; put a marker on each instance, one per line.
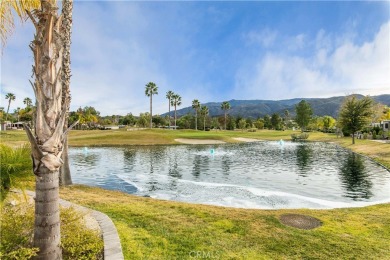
(210, 141)
(199, 141)
(247, 140)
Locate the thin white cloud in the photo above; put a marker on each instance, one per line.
(297, 42)
(349, 68)
(266, 37)
(366, 66)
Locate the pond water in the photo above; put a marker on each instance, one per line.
(267, 175)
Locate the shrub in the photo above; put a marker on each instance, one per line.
(252, 130)
(365, 136)
(376, 129)
(374, 135)
(380, 134)
(78, 241)
(299, 137)
(17, 228)
(14, 163)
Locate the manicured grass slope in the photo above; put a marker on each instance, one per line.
(156, 229)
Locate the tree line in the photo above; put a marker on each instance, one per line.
(354, 116)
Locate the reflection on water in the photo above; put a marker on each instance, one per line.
(226, 165)
(355, 178)
(304, 156)
(174, 170)
(87, 158)
(129, 155)
(197, 164)
(251, 175)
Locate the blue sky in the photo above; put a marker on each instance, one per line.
(213, 51)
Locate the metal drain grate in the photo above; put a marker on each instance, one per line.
(300, 221)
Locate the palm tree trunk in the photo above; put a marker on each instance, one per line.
(9, 103)
(175, 116)
(151, 111)
(48, 142)
(196, 119)
(67, 9)
(353, 138)
(169, 113)
(47, 214)
(65, 177)
(225, 120)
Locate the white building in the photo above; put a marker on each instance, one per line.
(385, 125)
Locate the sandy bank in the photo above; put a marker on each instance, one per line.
(198, 141)
(246, 140)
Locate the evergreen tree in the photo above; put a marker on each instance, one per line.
(304, 114)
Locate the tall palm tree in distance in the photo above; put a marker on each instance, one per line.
(150, 90)
(204, 111)
(17, 112)
(196, 106)
(10, 97)
(176, 101)
(169, 97)
(28, 102)
(225, 106)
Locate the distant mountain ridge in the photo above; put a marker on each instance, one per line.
(260, 108)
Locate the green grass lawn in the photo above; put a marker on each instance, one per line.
(157, 229)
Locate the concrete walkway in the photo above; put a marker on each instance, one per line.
(112, 244)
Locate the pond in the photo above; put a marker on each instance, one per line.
(267, 175)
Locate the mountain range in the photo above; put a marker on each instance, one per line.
(260, 108)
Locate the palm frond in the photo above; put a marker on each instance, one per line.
(11, 8)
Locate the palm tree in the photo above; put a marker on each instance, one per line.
(225, 106)
(50, 127)
(204, 111)
(51, 112)
(28, 102)
(196, 106)
(150, 90)
(17, 112)
(176, 101)
(169, 97)
(21, 8)
(10, 97)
